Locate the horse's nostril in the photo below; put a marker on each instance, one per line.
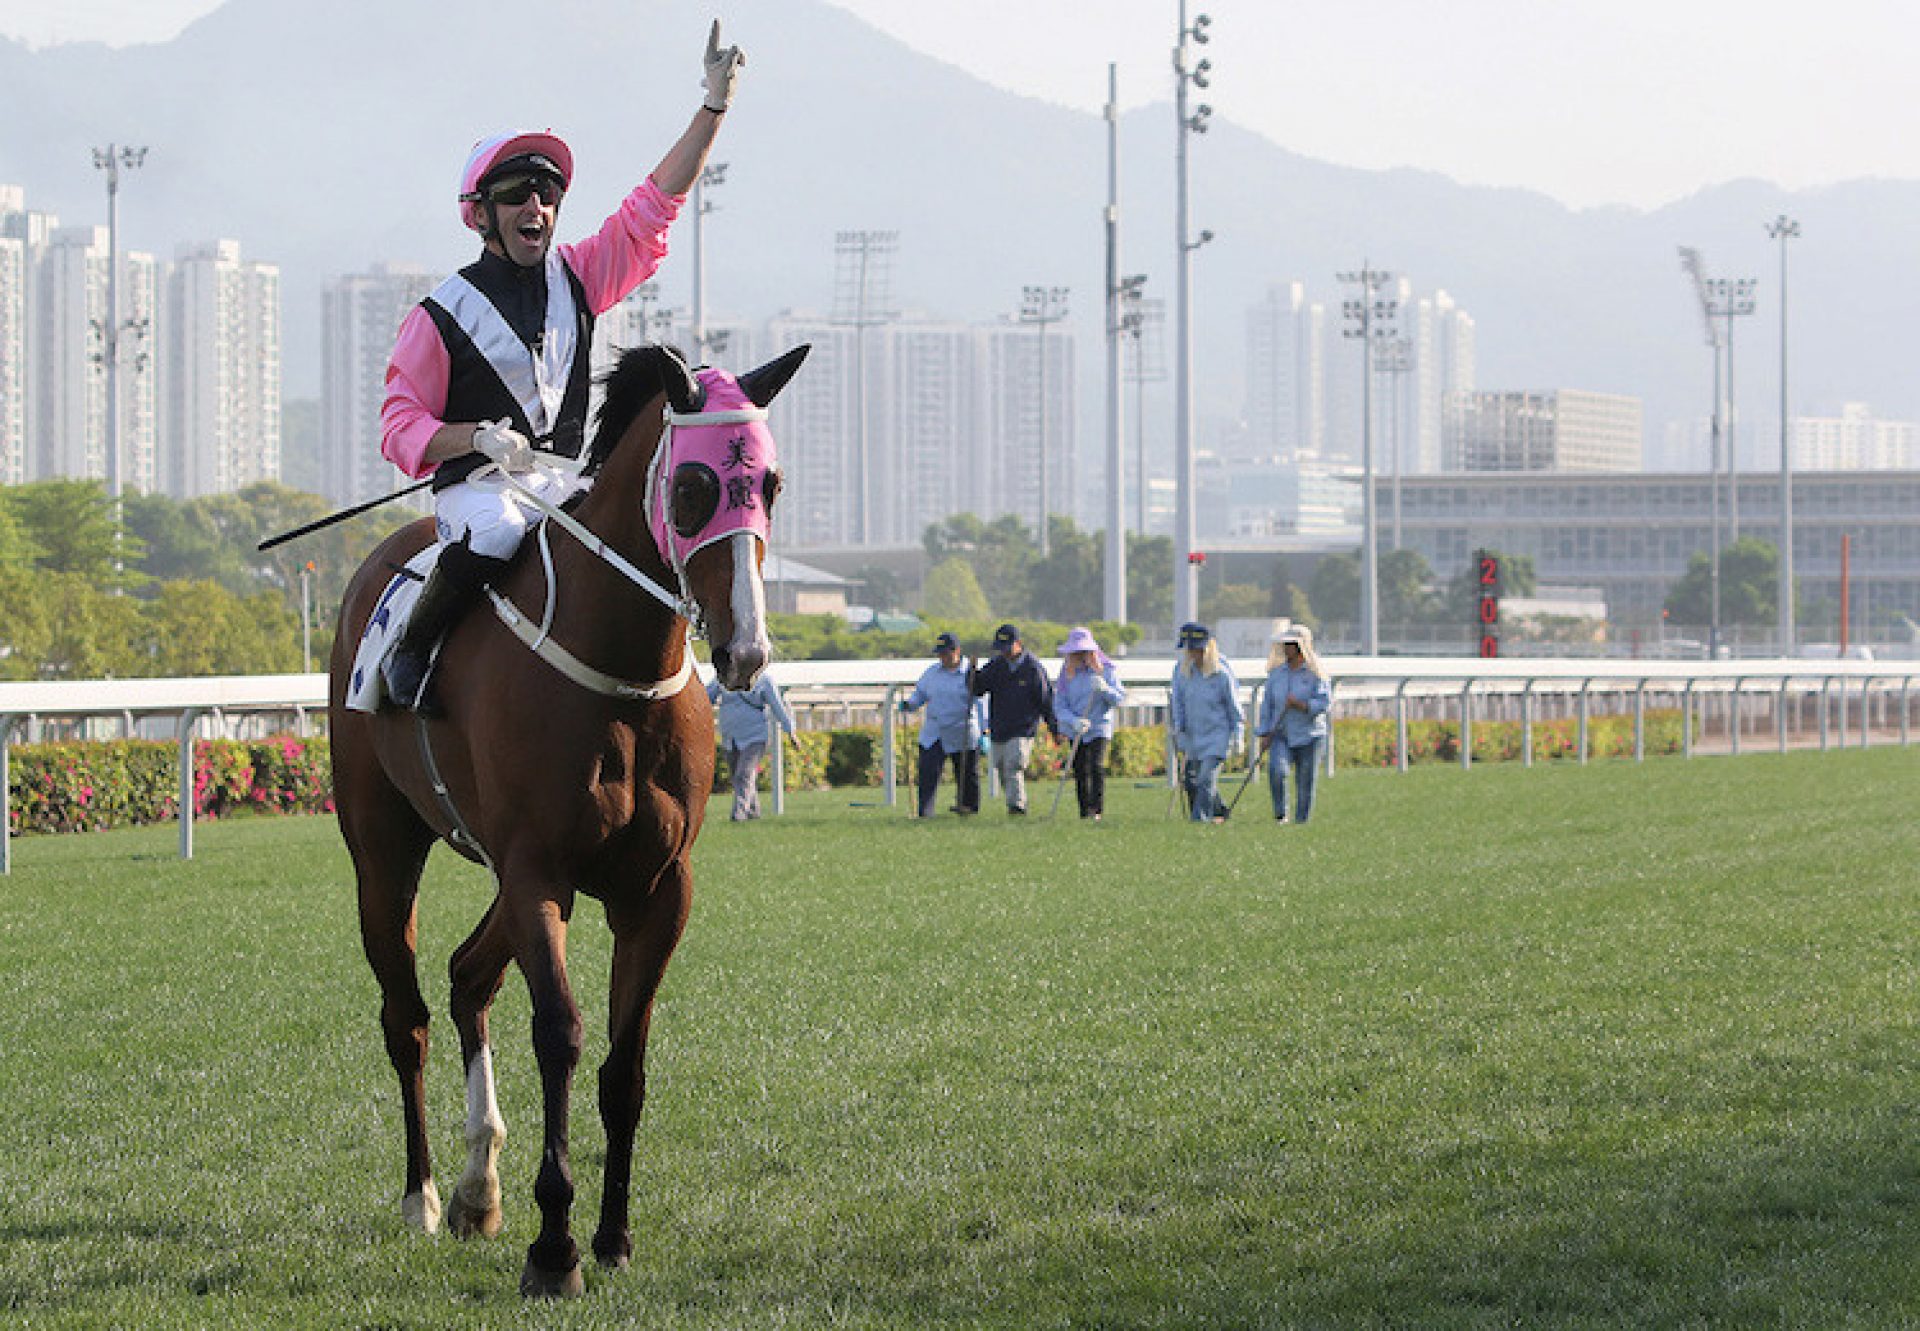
(722, 661)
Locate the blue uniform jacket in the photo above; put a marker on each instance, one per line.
(1295, 727)
(1091, 697)
(953, 719)
(1207, 715)
(743, 715)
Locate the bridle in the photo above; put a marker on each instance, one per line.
(673, 548)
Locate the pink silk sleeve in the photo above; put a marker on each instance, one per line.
(416, 394)
(627, 248)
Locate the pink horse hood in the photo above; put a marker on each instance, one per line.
(727, 437)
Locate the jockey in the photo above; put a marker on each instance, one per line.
(493, 366)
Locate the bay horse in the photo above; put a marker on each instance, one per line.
(583, 769)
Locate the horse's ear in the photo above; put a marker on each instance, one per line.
(685, 394)
(762, 385)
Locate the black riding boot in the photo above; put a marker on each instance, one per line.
(453, 587)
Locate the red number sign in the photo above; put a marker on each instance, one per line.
(1489, 604)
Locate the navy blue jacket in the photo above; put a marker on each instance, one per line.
(1019, 696)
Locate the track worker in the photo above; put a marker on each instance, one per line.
(742, 719)
(1084, 697)
(1292, 725)
(1206, 717)
(492, 368)
(1019, 698)
(951, 728)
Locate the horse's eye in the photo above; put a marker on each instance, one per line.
(696, 495)
(770, 488)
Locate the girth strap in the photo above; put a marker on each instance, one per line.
(461, 837)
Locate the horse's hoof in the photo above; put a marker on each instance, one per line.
(536, 1283)
(474, 1220)
(613, 1253)
(422, 1209)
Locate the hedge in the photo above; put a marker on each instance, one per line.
(83, 787)
(91, 785)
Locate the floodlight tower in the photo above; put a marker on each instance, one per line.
(1393, 357)
(1186, 573)
(1372, 316)
(114, 159)
(860, 301)
(1695, 267)
(1114, 597)
(1731, 298)
(1041, 306)
(710, 177)
(1783, 229)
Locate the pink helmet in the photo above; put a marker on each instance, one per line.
(490, 152)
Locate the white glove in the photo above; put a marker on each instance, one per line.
(504, 444)
(723, 65)
(1080, 727)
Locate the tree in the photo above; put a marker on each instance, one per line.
(1002, 554)
(1462, 603)
(1404, 598)
(1149, 579)
(1749, 583)
(1335, 588)
(880, 587)
(70, 524)
(952, 592)
(1068, 585)
(200, 628)
(1237, 600)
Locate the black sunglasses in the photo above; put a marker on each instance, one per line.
(516, 190)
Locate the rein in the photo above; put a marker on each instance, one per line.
(659, 496)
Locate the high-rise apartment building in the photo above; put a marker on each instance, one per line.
(1440, 343)
(359, 315)
(1561, 430)
(66, 366)
(13, 337)
(222, 340)
(1286, 374)
(1855, 440)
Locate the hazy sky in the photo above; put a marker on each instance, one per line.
(1592, 101)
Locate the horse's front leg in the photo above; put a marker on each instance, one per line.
(645, 932)
(477, 968)
(540, 934)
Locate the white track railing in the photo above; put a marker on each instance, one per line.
(1457, 687)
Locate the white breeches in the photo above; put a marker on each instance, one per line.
(492, 517)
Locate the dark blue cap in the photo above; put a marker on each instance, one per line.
(946, 642)
(1194, 635)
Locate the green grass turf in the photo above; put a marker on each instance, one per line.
(1608, 1046)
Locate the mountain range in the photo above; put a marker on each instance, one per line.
(327, 138)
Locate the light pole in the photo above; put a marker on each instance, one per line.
(306, 617)
(1695, 268)
(1783, 229)
(1732, 298)
(1041, 306)
(710, 176)
(1146, 366)
(860, 298)
(114, 159)
(1114, 602)
(1393, 357)
(1372, 318)
(1186, 571)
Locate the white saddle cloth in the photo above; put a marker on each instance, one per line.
(367, 687)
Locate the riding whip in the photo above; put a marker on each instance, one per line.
(341, 516)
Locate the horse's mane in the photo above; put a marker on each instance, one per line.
(636, 379)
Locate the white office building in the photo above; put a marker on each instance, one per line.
(1561, 430)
